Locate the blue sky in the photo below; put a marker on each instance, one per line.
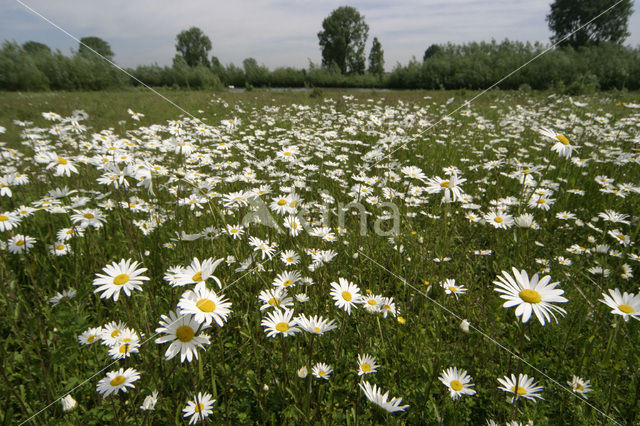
(274, 32)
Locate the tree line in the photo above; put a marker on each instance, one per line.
(588, 59)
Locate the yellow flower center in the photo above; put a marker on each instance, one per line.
(91, 338)
(198, 408)
(62, 161)
(579, 387)
(530, 296)
(365, 367)
(541, 201)
(117, 381)
(520, 391)
(121, 279)
(185, 333)
(452, 289)
(88, 216)
(294, 203)
(287, 153)
(282, 202)
(20, 243)
(3, 218)
(115, 333)
(282, 327)
(287, 283)
(626, 309)
(197, 277)
(274, 302)
(321, 373)
(372, 302)
(59, 247)
(317, 330)
(347, 296)
(123, 349)
(444, 184)
(498, 219)
(206, 305)
(563, 139)
(289, 259)
(456, 385)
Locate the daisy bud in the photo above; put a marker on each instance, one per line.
(265, 388)
(302, 372)
(68, 403)
(464, 326)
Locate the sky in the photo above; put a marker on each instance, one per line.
(274, 32)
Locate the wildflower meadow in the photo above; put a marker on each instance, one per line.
(325, 257)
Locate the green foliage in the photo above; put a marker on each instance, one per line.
(567, 16)
(89, 46)
(376, 58)
(431, 50)
(193, 46)
(34, 47)
(342, 40)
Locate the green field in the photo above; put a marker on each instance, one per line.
(290, 197)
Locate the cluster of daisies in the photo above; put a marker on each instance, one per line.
(296, 181)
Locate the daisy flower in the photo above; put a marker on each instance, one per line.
(372, 303)
(181, 330)
(280, 322)
(8, 221)
(625, 240)
(205, 305)
(124, 349)
(526, 387)
(289, 257)
(366, 364)
(580, 385)
(197, 272)
(374, 394)
(20, 243)
(625, 304)
(450, 287)
(117, 381)
(286, 279)
(292, 223)
(90, 336)
(123, 276)
(322, 371)
(314, 324)
(59, 249)
(499, 219)
(88, 217)
(199, 408)
(562, 146)
(458, 382)
(275, 298)
(345, 294)
(530, 295)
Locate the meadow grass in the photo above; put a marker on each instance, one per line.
(248, 150)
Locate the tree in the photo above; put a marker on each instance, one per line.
(33, 47)
(193, 45)
(567, 16)
(342, 40)
(431, 50)
(376, 58)
(97, 44)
